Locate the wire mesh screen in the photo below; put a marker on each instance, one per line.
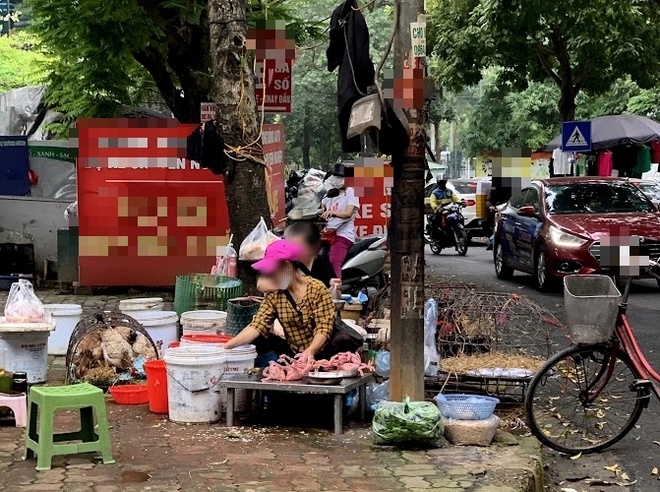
(481, 323)
(109, 348)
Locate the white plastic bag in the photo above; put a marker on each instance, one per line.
(23, 306)
(254, 245)
(430, 346)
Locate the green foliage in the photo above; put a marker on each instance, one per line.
(581, 45)
(505, 117)
(21, 61)
(311, 129)
(109, 53)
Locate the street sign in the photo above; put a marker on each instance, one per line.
(576, 136)
(207, 112)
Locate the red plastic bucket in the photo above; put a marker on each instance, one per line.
(157, 385)
(218, 339)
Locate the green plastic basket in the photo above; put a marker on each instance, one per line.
(240, 312)
(198, 291)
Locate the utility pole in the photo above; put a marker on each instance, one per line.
(406, 235)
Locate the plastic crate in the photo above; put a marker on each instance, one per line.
(592, 306)
(204, 291)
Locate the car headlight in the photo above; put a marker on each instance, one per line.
(564, 239)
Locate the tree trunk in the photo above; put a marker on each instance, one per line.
(306, 145)
(233, 93)
(567, 102)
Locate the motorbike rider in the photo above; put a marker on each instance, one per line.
(441, 196)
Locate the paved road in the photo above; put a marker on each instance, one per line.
(636, 455)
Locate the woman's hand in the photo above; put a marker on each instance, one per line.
(327, 214)
(307, 356)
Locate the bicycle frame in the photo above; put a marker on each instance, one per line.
(624, 340)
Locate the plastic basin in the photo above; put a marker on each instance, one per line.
(130, 394)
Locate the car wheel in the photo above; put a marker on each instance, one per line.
(502, 270)
(543, 281)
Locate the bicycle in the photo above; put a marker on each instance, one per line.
(590, 395)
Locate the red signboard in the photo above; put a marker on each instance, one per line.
(373, 187)
(272, 138)
(146, 214)
(276, 75)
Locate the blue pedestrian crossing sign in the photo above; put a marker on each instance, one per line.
(576, 136)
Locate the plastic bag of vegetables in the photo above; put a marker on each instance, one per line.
(410, 423)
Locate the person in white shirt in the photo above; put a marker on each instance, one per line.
(340, 209)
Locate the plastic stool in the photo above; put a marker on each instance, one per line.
(44, 443)
(16, 403)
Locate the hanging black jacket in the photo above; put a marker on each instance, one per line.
(349, 50)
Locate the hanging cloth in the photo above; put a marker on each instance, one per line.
(580, 166)
(604, 163)
(655, 151)
(349, 51)
(561, 163)
(643, 160)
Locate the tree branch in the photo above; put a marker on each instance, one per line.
(152, 61)
(545, 63)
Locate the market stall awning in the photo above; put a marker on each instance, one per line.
(618, 129)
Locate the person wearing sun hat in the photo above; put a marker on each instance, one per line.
(302, 304)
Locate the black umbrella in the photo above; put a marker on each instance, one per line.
(618, 129)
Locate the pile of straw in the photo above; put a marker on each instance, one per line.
(493, 360)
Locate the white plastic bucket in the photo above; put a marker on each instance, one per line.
(132, 306)
(26, 346)
(66, 317)
(237, 361)
(206, 322)
(193, 373)
(161, 325)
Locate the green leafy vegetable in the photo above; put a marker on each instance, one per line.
(416, 423)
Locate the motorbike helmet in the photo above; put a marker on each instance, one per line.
(441, 180)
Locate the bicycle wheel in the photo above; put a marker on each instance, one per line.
(559, 409)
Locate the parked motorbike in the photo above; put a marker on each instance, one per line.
(451, 233)
(363, 268)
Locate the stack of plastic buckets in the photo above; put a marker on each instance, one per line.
(206, 322)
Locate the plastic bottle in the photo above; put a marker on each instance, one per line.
(231, 259)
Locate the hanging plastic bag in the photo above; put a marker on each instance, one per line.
(377, 393)
(383, 364)
(430, 346)
(254, 245)
(410, 423)
(23, 306)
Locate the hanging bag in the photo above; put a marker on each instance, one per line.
(254, 245)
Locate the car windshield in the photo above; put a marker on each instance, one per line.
(595, 198)
(651, 190)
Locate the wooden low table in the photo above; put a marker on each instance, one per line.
(240, 381)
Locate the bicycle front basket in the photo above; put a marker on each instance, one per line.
(592, 304)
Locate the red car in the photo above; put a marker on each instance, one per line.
(553, 228)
